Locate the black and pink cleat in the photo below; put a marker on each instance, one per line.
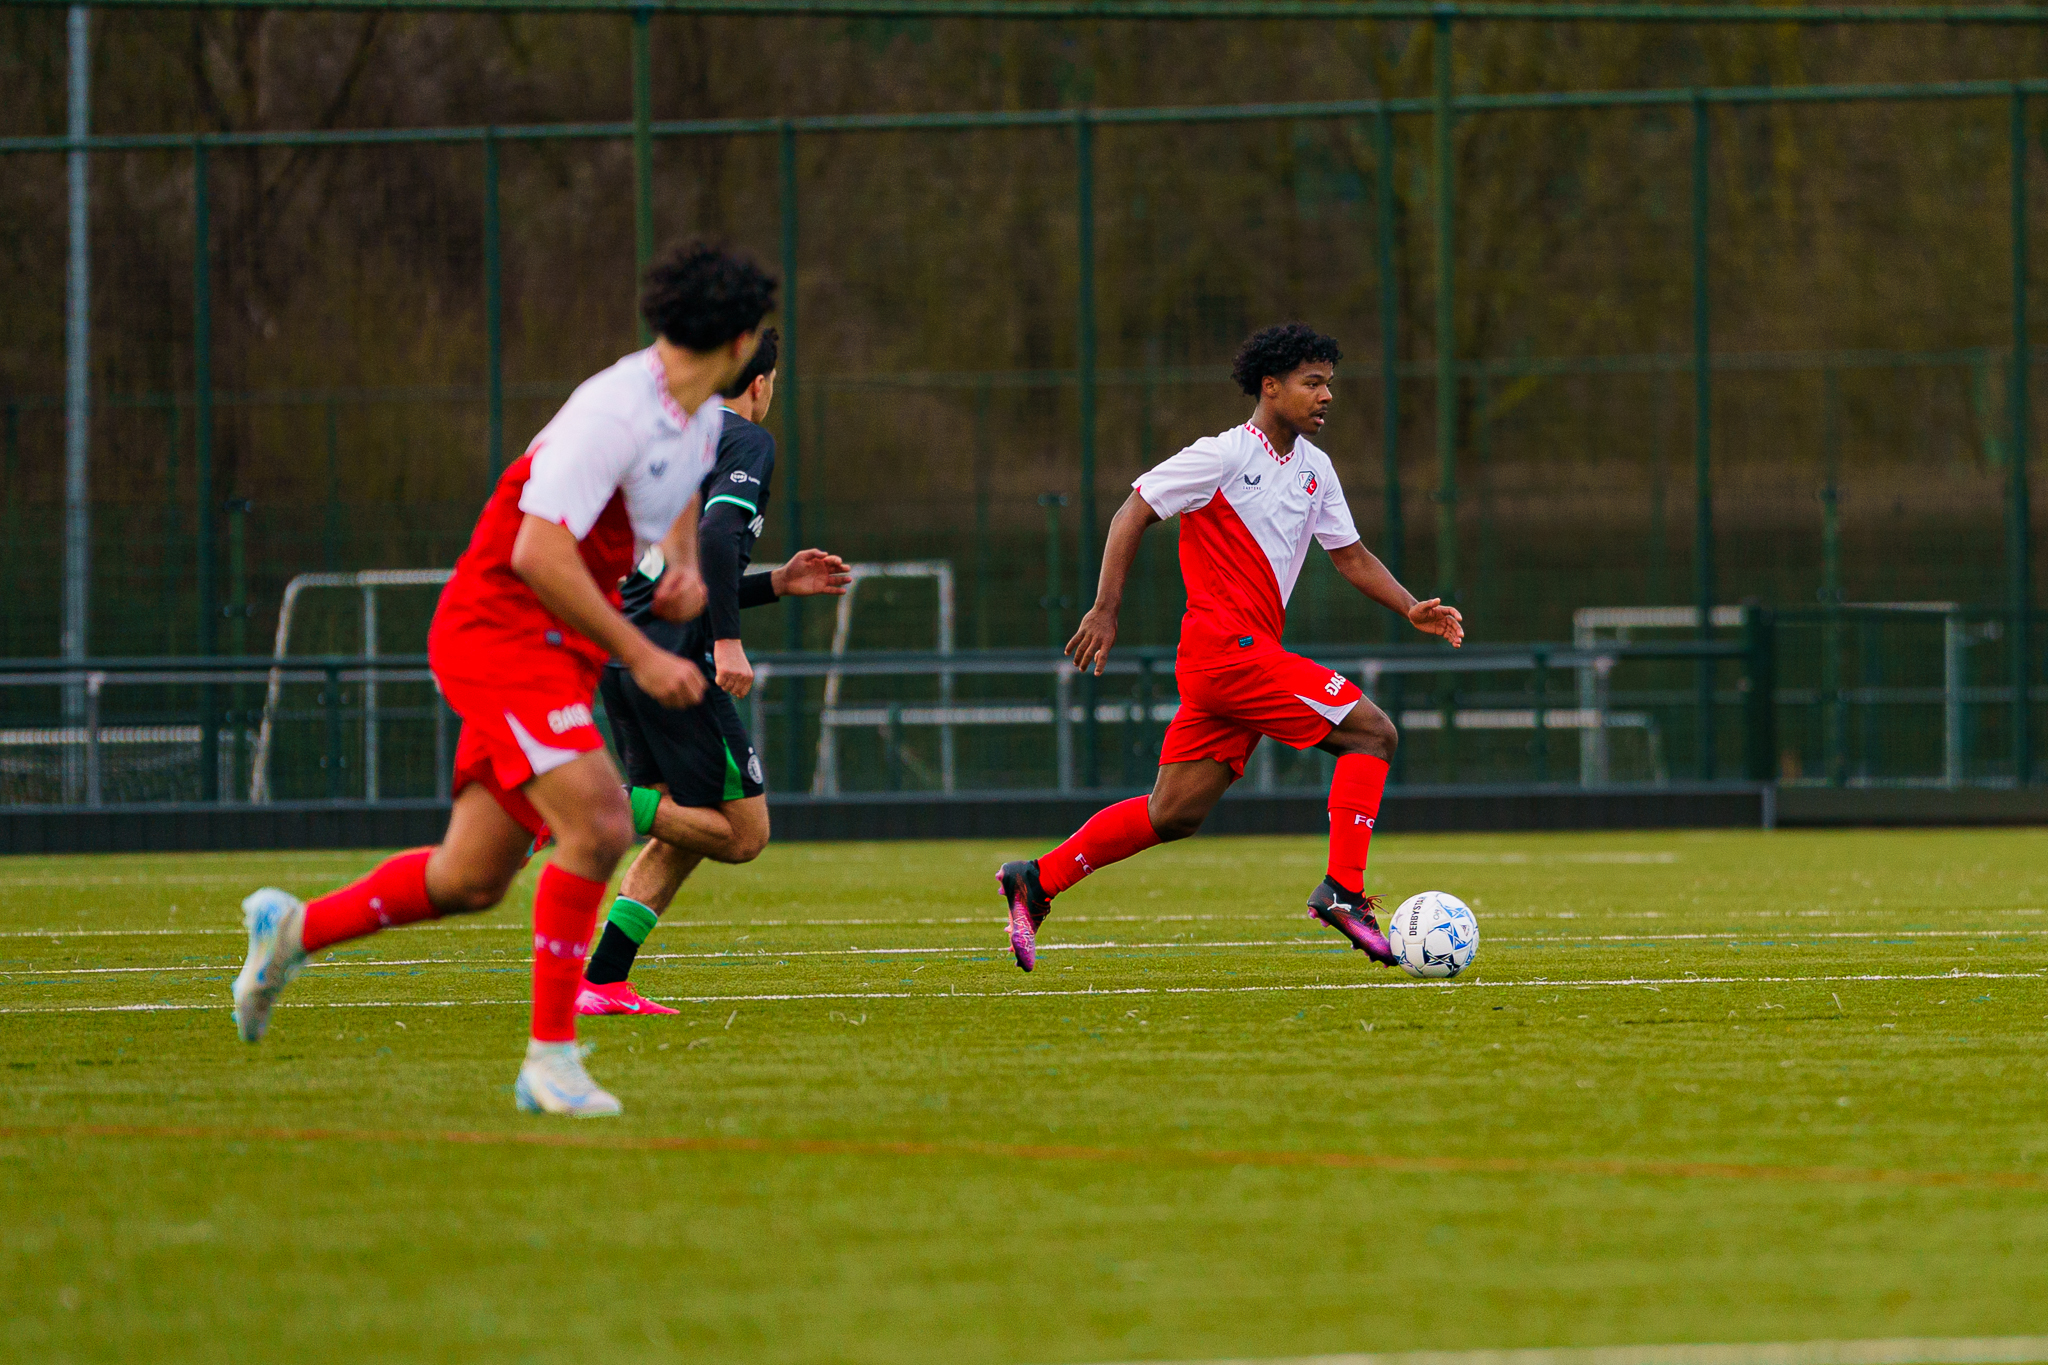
(1029, 905)
(1351, 915)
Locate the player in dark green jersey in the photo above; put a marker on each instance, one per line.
(696, 782)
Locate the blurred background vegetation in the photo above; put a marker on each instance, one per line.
(1861, 259)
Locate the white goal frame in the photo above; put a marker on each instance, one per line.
(368, 582)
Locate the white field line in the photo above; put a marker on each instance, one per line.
(1642, 983)
(1888, 1351)
(752, 954)
(519, 926)
(1503, 859)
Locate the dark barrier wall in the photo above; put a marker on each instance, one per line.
(1028, 819)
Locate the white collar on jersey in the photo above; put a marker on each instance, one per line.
(660, 385)
(1278, 458)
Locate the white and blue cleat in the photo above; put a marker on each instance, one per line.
(276, 922)
(553, 1081)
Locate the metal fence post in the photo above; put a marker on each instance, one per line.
(1702, 435)
(643, 152)
(237, 613)
(1390, 341)
(788, 377)
(372, 779)
(494, 312)
(10, 531)
(1760, 694)
(1063, 725)
(1539, 739)
(1084, 573)
(331, 522)
(1446, 325)
(2019, 522)
(332, 698)
(202, 448)
(1834, 719)
(93, 683)
(78, 382)
(442, 777)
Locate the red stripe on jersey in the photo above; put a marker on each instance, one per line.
(1232, 592)
(486, 603)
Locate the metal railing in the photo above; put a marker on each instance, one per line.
(1841, 696)
(1023, 719)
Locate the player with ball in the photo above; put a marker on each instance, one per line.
(1252, 501)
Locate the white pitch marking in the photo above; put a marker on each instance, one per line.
(990, 950)
(1395, 985)
(1888, 1351)
(733, 955)
(509, 925)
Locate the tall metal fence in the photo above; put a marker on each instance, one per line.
(197, 573)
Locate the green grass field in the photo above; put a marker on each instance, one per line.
(1696, 1088)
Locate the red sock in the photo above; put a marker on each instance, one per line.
(564, 917)
(394, 893)
(1111, 835)
(1354, 805)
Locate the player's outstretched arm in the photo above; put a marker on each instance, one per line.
(546, 557)
(1365, 572)
(1097, 631)
(810, 573)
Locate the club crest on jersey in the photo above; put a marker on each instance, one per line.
(1306, 481)
(568, 718)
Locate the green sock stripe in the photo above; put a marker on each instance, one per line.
(643, 800)
(634, 920)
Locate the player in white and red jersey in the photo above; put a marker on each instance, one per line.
(1250, 502)
(518, 641)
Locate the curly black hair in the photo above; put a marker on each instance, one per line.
(700, 297)
(1280, 351)
(762, 363)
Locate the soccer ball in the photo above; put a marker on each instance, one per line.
(1433, 935)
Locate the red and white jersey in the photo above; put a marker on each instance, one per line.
(1248, 515)
(617, 465)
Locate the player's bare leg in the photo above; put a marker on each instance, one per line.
(733, 832)
(1182, 796)
(1364, 742)
(586, 809)
(468, 871)
(477, 859)
(684, 836)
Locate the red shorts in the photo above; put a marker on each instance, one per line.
(1225, 707)
(533, 719)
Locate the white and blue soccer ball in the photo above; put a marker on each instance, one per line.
(1433, 935)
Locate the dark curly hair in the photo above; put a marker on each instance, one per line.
(762, 363)
(700, 297)
(1280, 351)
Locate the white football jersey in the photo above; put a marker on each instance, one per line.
(622, 432)
(1248, 516)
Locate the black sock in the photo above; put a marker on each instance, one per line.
(613, 958)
